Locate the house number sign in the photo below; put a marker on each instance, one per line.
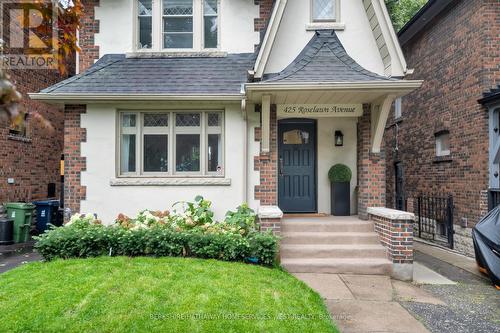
(319, 110)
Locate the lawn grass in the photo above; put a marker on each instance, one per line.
(157, 294)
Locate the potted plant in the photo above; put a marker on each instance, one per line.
(340, 177)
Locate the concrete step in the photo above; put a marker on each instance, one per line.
(327, 226)
(332, 251)
(368, 266)
(329, 238)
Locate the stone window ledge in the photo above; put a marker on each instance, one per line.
(170, 182)
(325, 26)
(442, 159)
(18, 138)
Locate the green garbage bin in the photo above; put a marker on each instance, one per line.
(22, 214)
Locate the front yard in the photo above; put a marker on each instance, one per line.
(141, 294)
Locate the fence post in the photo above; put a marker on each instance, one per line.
(449, 221)
(419, 207)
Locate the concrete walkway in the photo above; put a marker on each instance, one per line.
(369, 303)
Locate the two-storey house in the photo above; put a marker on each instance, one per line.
(236, 100)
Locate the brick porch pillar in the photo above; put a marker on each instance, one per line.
(74, 163)
(395, 231)
(371, 168)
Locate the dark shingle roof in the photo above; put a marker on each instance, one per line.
(491, 96)
(324, 59)
(116, 74)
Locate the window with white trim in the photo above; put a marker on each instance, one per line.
(177, 25)
(325, 10)
(443, 143)
(184, 143)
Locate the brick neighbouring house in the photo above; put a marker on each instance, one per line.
(31, 156)
(454, 46)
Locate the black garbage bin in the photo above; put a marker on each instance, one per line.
(46, 213)
(6, 231)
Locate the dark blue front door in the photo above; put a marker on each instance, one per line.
(297, 165)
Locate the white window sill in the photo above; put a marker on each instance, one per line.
(170, 182)
(325, 26)
(176, 54)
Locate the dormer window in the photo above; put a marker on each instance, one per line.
(325, 10)
(177, 25)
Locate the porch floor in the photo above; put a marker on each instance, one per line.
(332, 244)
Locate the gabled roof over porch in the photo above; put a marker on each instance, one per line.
(323, 73)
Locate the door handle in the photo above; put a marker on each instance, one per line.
(281, 167)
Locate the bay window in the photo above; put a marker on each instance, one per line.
(177, 25)
(171, 143)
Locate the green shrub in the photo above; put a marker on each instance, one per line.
(340, 173)
(243, 218)
(189, 232)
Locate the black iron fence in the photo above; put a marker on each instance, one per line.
(493, 198)
(435, 218)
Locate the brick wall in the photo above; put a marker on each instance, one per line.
(32, 163)
(265, 11)
(266, 164)
(273, 225)
(89, 27)
(371, 168)
(457, 56)
(397, 237)
(74, 135)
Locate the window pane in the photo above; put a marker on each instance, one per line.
(127, 153)
(187, 152)
(155, 153)
(145, 32)
(145, 11)
(210, 32)
(177, 7)
(178, 41)
(323, 10)
(214, 119)
(156, 120)
(178, 24)
(145, 7)
(187, 120)
(128, 120)
(214, 153)
(210, 7)
(443, 144)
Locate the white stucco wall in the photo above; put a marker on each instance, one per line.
(116, 32)
(329, 155)
(357, 37)
(117, 24)
(108, 201)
